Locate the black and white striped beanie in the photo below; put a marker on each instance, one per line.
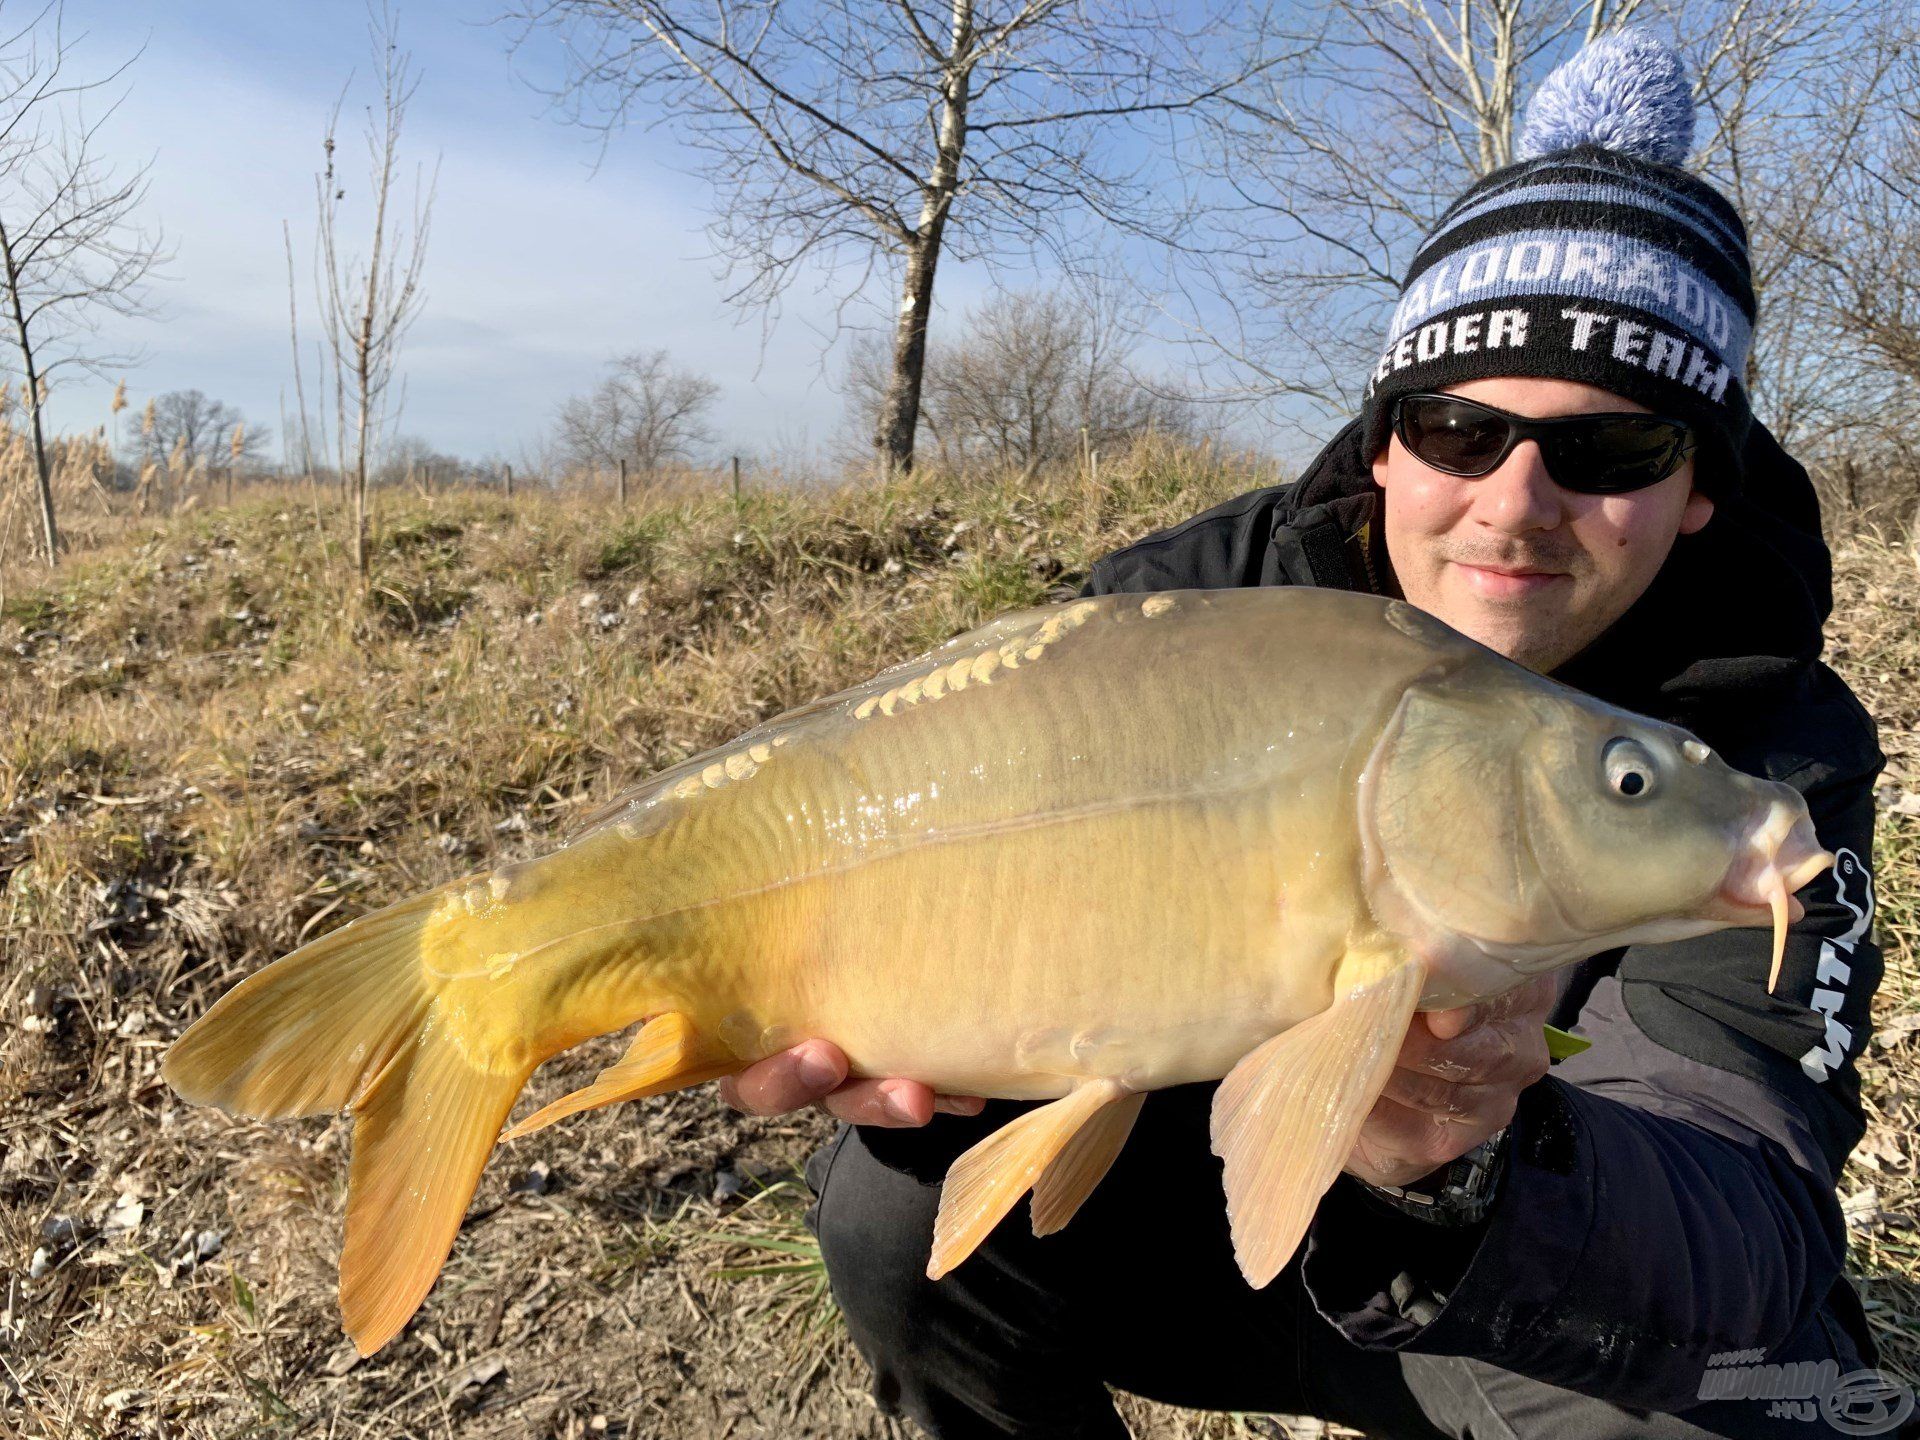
(1593, 257)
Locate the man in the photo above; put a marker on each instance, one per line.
(1556, 457)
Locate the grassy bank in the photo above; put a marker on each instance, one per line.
(213, 744)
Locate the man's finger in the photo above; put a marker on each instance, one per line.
(892, 1103)
(1452, 1024)
(1397, 1144)
(791, 1080)
(1446, 1103)
(1475, 1057)
(1535, 1000)
(1428, 1094)
(1511, 1052)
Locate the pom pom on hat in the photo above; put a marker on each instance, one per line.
(1628, 92)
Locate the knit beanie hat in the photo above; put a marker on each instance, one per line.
(1593, 257)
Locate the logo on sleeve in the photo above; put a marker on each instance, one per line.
(1834, 972)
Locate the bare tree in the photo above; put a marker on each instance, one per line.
(71, 252)
(647, 412)
(1005, 388)
(367, 305)
(1038, 376)
(1033, 377)
(1383, 113)
(1805, 100)
(1849, 243)
(1858, 235)
(413, 460)
(850, 133)
(200, 429)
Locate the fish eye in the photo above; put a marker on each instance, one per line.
(1629, 768)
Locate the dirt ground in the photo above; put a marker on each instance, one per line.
(212, 747)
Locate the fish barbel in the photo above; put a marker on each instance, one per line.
(1075, 855)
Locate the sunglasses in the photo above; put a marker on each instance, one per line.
(1611, 453)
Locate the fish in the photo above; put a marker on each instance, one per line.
(1078, 854)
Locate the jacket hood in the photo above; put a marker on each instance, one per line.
(1736, 610)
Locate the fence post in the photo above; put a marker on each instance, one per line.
(509, 482)
(736, 482)
(623, 482)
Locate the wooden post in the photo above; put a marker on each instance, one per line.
(229, 487)
(623, 482)
(509, 482)
(736, 482)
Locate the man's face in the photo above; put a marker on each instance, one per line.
(1511, 559)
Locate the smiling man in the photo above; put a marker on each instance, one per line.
(1556, 457)
(1523, 564)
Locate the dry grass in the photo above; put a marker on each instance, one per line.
(211, 746)
(78, 470)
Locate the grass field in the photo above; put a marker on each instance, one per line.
(214, 745)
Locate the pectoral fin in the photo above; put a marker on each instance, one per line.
(1083, 1163)
(667, 1054)
(1286, 1117)
(987, 1181)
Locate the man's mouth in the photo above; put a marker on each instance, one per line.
(1503, 582)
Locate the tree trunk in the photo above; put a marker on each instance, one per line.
(43, 470)
(42, 467)
(360, 506)
(900, 411)
(363, 378)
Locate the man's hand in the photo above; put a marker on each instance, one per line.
(815, 1072)
(1457, 1081)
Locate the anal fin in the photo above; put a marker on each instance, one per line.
(667, 1054)
(987, 1181)
(1286, 1117)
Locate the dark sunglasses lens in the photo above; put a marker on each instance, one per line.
(1452, 435)
(1618, 453)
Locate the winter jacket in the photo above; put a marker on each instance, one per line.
(1668, 1195)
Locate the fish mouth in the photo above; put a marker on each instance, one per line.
(1778, 855)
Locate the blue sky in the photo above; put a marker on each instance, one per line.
(540, 267)
(543, 264)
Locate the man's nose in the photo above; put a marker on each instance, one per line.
(1520, 495)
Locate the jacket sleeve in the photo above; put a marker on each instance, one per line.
(1668, 1194)
(1229, 545)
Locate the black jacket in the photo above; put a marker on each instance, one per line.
(1669, 1194)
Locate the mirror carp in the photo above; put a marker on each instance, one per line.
(1078, 854)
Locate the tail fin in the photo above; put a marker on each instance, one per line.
(420, 1138)
(309, 1033)
(348, 1021)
